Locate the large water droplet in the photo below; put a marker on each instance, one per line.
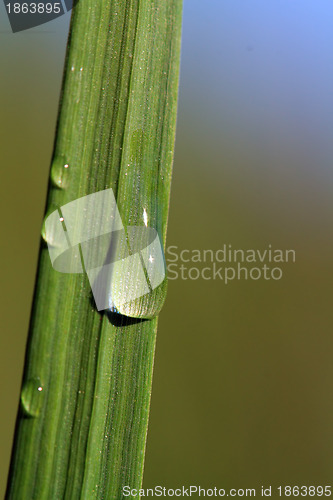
(146, 273)
(60, 172)
(132, 280)
(32, 396)
(146, 307)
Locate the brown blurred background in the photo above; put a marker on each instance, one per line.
(243, 383)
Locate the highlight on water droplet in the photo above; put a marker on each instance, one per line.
(60, 171)
(32, 396)
(145, 217)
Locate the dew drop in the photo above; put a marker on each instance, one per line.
(49, 236)
(134, 282)
(146, 307)
(60, 171)
(32, 396)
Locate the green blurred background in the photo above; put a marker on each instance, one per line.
(243, 382)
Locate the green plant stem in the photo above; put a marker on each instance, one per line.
(82, 423)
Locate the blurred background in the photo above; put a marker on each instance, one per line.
(243, 382)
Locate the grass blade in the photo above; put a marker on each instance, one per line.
(82, 422)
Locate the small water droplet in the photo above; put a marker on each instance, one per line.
(48, 236)
(32, 396)
(60, 172)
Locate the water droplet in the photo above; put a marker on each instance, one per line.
(133, 281)
(146, 307)
(60, 171)
(49, 236)
(32, 396)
